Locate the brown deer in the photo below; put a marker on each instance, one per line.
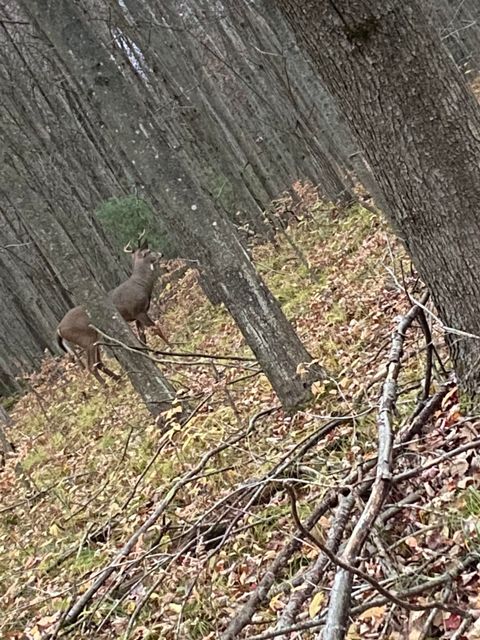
(75, 329)
(132, 300)
(132, 297)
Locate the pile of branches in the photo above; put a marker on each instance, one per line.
(357, 565)
(359, 580)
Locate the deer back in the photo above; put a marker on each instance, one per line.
(74, 327)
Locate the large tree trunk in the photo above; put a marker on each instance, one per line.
(419, 126)
(170, 59)
(201, 232)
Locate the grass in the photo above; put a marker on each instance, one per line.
(98, 462)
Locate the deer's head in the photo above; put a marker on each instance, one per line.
(143, 258)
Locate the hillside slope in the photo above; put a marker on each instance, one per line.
(92, 471)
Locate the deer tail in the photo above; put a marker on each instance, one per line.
(61, 343)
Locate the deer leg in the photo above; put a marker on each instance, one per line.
(92, 363)
(146, 321)
(160, 333)
(74, 354)
(102, 367)
(141, 332)
(107, 371)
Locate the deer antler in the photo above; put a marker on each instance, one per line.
(142, 242)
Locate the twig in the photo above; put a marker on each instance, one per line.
(431, 616)
(61, 620)
(406, 475)
(444, 327)
(76, 609)
(178, 354)
(462, 628)
(412, 429)
(395, 508)
(429, 359)
(440, 580)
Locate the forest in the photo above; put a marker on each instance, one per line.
(239, 319)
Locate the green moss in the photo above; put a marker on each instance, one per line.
(85, 560)
(36, 458)
(108, 442)
(9, 402)
(91, 412)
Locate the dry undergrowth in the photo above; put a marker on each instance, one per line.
(95, 467)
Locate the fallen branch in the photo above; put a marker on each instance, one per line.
(411, 473)
(424, 587)
(354, 571)
(314, 574)
(340, 600)
(260, 595)
(77, 608)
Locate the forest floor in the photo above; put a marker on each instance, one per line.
(207, 507)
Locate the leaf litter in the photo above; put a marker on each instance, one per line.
(90, 467)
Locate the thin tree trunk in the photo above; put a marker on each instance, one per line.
(202, 233)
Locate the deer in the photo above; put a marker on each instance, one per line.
(131, 299)
(75, 330)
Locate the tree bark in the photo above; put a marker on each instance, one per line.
(419, 126)
(200, 230)
(52, 252)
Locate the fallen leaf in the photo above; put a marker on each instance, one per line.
(374, 613)
(316, 604)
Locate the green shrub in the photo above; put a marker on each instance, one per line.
(123, 219)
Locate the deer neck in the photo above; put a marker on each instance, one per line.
(145, 277)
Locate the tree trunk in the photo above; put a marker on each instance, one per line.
(419, 126)
(199, 229)
(264, 54)
(170, 60)
(5, 421)
(65, 257)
